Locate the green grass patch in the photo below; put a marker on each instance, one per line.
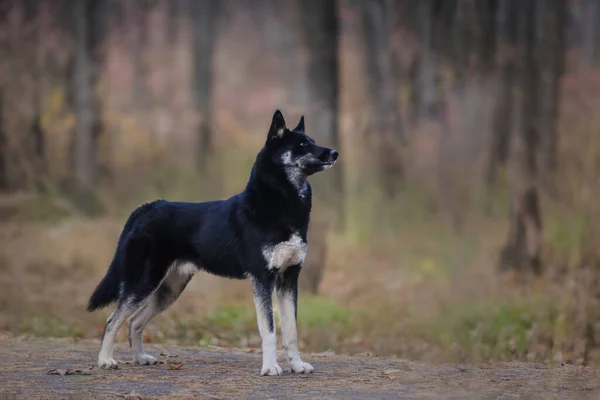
(49, 327)
(234, 323)
(320, 313)
(498, 331)
(566, 235)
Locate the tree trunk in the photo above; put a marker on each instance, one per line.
(383, 89)
(85, 144)
(321, 29)
(312, 270)
(487, 14)
(591, 30)
(205, 14)
(284, 43)
(552, 62)
(376, 16)
(461, 42)
(3, 147)
(522, 250)
(428, 107)
(503, 111)
(132, 16)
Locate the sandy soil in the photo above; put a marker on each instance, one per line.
(234, 373)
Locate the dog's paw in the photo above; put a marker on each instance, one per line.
(301, 367)
(271, 369)
(144, 359)
(108, 363)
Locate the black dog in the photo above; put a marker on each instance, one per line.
(259, 233)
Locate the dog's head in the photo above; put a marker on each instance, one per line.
(295, 151)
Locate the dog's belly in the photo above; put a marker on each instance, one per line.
(285, 254)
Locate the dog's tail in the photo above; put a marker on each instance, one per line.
(108, 289)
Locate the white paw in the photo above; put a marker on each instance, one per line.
(300, 367)
(271, 369)
(144, 359)
(108, 363)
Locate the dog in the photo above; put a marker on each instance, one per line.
(260, 233)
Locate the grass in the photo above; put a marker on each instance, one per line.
(43, 326)
(504, 330)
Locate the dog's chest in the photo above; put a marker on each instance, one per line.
(285, 254)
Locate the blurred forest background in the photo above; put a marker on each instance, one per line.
(461, 223)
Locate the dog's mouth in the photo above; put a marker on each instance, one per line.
(327, 164)
(317, 166)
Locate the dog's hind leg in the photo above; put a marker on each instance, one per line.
(124, 310)
(166, 294)
(286, 289)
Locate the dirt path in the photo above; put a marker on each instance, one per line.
(229, 374)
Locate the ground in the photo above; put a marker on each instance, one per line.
(218, 373)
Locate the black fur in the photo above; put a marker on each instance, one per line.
(226, 237)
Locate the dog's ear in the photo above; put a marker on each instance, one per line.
(300, 127)
(277, 126)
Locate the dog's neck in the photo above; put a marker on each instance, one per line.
(273, 189)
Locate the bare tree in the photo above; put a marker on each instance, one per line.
(507, 70)
(383, 88)
(87, 17)
(522, 250)
(427, 61)
(487, 13)
(320, 19)
(591, 30)
(204, 14)
(376, 15)
(3, 145)
(552, 17)
(132, 13)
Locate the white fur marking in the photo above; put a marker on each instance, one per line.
(138, 322)
(293, 172)
(286, 158)
(105, 357)
(287, 317)
(269, 341)
(285, 254)
(187, 269)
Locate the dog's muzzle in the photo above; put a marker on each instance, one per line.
(332, 156)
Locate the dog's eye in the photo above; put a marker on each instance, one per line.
(304, 143)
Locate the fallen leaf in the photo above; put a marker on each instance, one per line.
(132, 396)
(175, 367)
(391, 371)
(325, 354)
(68, 371)
(169, 355)
(57, 372)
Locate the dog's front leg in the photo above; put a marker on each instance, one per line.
(287, 299)
(263, 300)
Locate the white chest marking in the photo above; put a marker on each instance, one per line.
(285, 254)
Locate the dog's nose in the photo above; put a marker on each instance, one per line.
(334, 154)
